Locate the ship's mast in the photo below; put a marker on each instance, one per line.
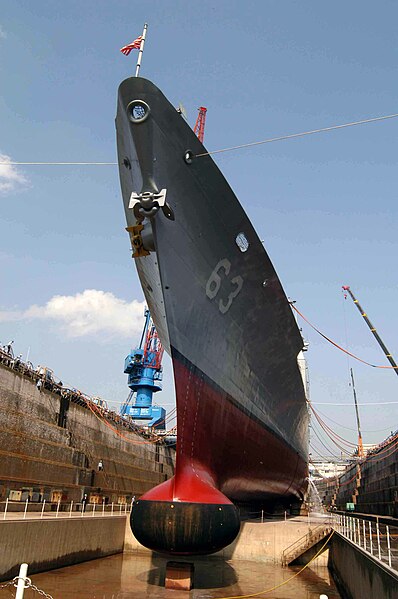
(372, 329)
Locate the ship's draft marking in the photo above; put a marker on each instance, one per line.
(185, 409)
(213, 285)
(198, 396)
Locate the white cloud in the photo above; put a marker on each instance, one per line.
(91, 312)
(10, 177)
(3, 34)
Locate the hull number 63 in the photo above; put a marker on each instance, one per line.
(213, 285)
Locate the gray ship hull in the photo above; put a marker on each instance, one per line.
(221, 312)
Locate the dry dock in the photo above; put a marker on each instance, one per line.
(135, 577)
(52, 542)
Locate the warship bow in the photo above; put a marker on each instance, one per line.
(221, 313)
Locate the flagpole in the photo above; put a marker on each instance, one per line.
(137, 70)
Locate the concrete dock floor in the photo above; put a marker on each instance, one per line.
(134, 576)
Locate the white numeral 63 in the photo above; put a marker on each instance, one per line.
(214, 283)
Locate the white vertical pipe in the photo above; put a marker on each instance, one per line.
(5, 509)
(378, 539)
(103, 507)
(388, 546)
(364, 534)
(112, 509)
(359, 532)
(23, 570)
(26, 508)
(70, 509)
(59, 501)
(120, 508)
(370, 537)
(42, 508)
(93, 510)
(137, 70)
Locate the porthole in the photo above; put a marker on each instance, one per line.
(138, 111)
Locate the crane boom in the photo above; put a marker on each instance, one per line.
(360, 443)
(199, 128)
(372, 328)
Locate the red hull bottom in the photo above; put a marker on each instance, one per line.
(221, 452)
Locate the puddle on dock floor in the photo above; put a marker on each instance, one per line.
(133, 577)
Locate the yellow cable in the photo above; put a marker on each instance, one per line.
(285, 581)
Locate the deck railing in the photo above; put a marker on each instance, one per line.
(18, 510)
(376, 538)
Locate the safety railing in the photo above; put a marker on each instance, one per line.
(305, 542)
(18, 510)
(22, 582)
(249, 515)
(376, 538)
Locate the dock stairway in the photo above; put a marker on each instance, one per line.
(306, 547)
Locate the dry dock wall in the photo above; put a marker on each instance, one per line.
(54, 462)
(54, 543)
(372, 485)
(357, 574)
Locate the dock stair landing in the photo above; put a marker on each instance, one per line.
(307, 546)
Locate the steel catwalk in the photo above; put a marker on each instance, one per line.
(221, 312)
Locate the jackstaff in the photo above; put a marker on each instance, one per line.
(137, 44)
(141, 49)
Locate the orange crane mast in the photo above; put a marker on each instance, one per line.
(199, 128)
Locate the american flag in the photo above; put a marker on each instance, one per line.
(135, 45)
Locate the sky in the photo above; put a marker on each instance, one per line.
(325, 205)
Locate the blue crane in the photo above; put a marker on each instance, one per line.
(144, 367)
